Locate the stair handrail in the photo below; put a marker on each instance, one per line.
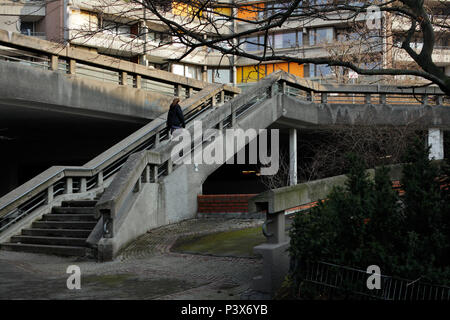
(155, 130)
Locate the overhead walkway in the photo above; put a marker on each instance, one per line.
(138, 186)
(47, 76)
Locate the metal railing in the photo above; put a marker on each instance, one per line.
(332, 281)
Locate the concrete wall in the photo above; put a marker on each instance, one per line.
(301, 113)
(142, 217)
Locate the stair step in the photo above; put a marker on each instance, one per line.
(79, 203)
(73, 210)
(59, 241)
(74, 233)
(64, 225)
(69, 217)
(47, 249)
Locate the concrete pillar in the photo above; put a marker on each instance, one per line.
(292, 157)
(137, 81)
(276, 227)
(367, 98)
(146, 174)
(71, 64)
(123, 78)
(83, 185)
(53, 63)
(383, 98)
(179, 90)
(69, 186)
(50, 194)
(222, 97)
(169, 166)
(190, 92)
(436, 141)
(157, 138)
(100, 179)
(155, 173)
(324, 97)
(205, 74)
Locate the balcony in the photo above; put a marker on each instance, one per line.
(40, 35)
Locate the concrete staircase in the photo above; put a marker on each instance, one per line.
(62, 232)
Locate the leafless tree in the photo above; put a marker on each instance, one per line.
(367, 45)
(417, 18)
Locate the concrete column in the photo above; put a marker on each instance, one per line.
(436, 141)
(324, 97)
(146, 174)
(83, 185)
(138, 81)
(222, 97)
(157, 139)
(53, 63)
(50, 194)
(179, 90)
(99, 178)
(425, 99)
(169, 166)
(123, 78)
(276, 227)
(190, 92)
(71, 64)
(383, 98)
(69, 186)
(205, 74)
(155, 173)
(292, 157)
(367, 99)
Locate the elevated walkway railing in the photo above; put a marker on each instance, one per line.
(34, 52)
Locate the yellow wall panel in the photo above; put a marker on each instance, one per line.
(223, 11)
(250, 12)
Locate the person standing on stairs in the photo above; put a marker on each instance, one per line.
(175, 118)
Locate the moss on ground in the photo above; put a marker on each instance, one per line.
(236, 243)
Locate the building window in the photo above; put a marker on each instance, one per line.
(219, 75)
(320, 36)
(116, 28)
(319, 70)
(189, 71)
(27, 28)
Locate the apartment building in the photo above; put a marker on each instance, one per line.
(125, 31)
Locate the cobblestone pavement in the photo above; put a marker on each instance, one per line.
(146, 269)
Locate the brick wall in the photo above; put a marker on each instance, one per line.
(223, 204)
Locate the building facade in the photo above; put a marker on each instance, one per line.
(120, 29)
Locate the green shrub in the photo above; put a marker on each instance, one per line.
(367, 222)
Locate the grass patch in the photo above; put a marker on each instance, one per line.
(236, 243)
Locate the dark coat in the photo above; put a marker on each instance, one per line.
(175, 117)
